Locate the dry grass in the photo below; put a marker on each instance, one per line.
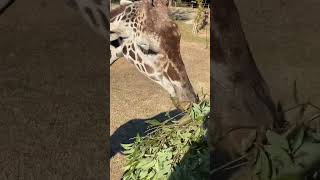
(202, 38)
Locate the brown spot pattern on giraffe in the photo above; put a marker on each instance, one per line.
(138, 66)
(148, 68)
(139, 58)
(128, 10)
(143, 69)
(124, 50)
(132, 55)
(166, 75)
(172, 73)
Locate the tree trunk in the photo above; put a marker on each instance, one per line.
(241, 102)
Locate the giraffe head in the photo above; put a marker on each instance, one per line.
(150, 40)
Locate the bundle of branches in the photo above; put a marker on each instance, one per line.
(172, 149)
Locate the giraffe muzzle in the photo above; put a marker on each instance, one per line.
(184, 98)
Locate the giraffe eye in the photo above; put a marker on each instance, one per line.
(147, 50)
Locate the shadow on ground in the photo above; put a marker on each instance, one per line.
(125, 133)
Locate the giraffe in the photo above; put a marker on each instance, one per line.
(142, 33)
(146, 37)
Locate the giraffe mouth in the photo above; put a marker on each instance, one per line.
(182, 105)
(185, 100)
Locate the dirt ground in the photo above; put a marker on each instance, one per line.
(53, 94)
(134, 98)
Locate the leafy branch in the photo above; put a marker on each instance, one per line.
(172, 149)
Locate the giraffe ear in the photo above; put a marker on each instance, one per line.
(125, 2)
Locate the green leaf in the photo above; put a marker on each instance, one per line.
(258, 165)
(298, 140)
(126, 146)
(307, 154)
(279, 155)
(153, 122)
(291, 170)
(248, 141)
(265, 167)
(290, 177)
(150, 164)
(143, 162)
(198, 132)
(315, 136)
(277, 140)
(196, 107)
(143, 174)
(156, 155)
(127, 152)
(151, 175)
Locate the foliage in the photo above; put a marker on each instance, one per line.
(294, 152)
(284, 156)
(290, 152)
(172, 149)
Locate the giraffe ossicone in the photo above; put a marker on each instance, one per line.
(125, 2)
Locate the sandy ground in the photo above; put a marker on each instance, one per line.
(53, 94)
(134, 98)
